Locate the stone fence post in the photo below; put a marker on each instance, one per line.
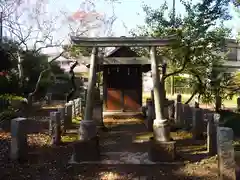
(56, 127)
(179, 98)
(226, 158)
(80, 106)
(49, 98)
(62, 112)
(179, 114)
(19, 145)
(69, 115)
(171, 110)
(73, 108)
(212, 124)
(198, 123)
(187, 116)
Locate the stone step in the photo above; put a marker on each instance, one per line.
(138, 158)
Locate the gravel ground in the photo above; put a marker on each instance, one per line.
(50, 163)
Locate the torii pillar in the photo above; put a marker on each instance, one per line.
(161, 128)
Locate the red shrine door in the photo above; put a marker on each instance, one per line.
(123, 88)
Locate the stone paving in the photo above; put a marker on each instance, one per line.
(139, 158)
(119, 146)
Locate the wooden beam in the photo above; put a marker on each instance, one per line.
(117, 60)
(122, 41)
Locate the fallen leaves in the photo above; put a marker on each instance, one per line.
(5, 136)
(52, 163)
(38, 140)
(112, 121)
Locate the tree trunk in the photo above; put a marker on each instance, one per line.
(32, 94)
(74, 87)
(192, 96)
(172, 86)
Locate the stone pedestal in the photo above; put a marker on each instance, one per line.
(198, 128)
(87, 129)
(226, 158)
(86, 150)
(87, 147)
(19, 146)
(162, 151)
(161, 130)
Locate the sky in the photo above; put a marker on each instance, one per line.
(129, 13)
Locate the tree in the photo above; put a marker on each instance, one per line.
(87, 23)
(199, 39)
(236, 2)
(34, 28)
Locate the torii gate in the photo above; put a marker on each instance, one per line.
(87, 130)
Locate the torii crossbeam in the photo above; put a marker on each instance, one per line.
(122, 41)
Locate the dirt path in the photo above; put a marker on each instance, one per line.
(117, 145)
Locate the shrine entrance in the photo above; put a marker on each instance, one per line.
(122, 80)
(123, 87)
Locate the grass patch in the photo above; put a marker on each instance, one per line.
(76, 120)
(53, 107)
(144, 136)
(181, 135)
(175, 135)
(70, 138)
(227, 103)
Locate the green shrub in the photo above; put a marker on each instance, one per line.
(5, 119)
(11, 97)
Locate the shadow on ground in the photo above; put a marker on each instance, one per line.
(48, 163)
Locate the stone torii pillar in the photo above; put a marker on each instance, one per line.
(87, 129)
(160, 125)
(87, 147)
